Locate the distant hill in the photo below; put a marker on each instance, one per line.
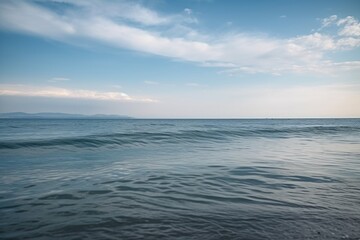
(47, 115)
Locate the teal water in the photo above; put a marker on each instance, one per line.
(180, 179)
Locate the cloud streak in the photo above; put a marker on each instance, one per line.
(151, 82)
(58, 79)
(55, 92)
(129, 25)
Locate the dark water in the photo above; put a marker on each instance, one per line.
(180, 179)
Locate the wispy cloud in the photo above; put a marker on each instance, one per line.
(188, 11)
(126, 24)
(192, 84)
(116, 86)
(58, 79)
(325, 22)
(350, 27)
(55, 92)
(151, 82)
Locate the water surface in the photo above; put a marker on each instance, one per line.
(180, 179)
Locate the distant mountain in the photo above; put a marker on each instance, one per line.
(47, 115)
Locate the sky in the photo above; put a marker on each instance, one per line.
(181, 59)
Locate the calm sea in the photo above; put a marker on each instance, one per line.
(180, 179)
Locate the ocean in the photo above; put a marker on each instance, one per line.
(180, 179)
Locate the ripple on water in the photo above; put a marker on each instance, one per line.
(61, 196)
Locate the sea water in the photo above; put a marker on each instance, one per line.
(179, 179)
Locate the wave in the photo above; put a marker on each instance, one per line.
(183, 136)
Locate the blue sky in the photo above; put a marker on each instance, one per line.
(181, 59)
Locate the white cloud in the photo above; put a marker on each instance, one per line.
(348, 42)
(348, 26)
(315, 41)
(218, 64)
(125, 10)
(137, 13)
(328, 21)
(55, 92)
(351, 27)
(25, 17)
(125, 24)
(329, 68)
